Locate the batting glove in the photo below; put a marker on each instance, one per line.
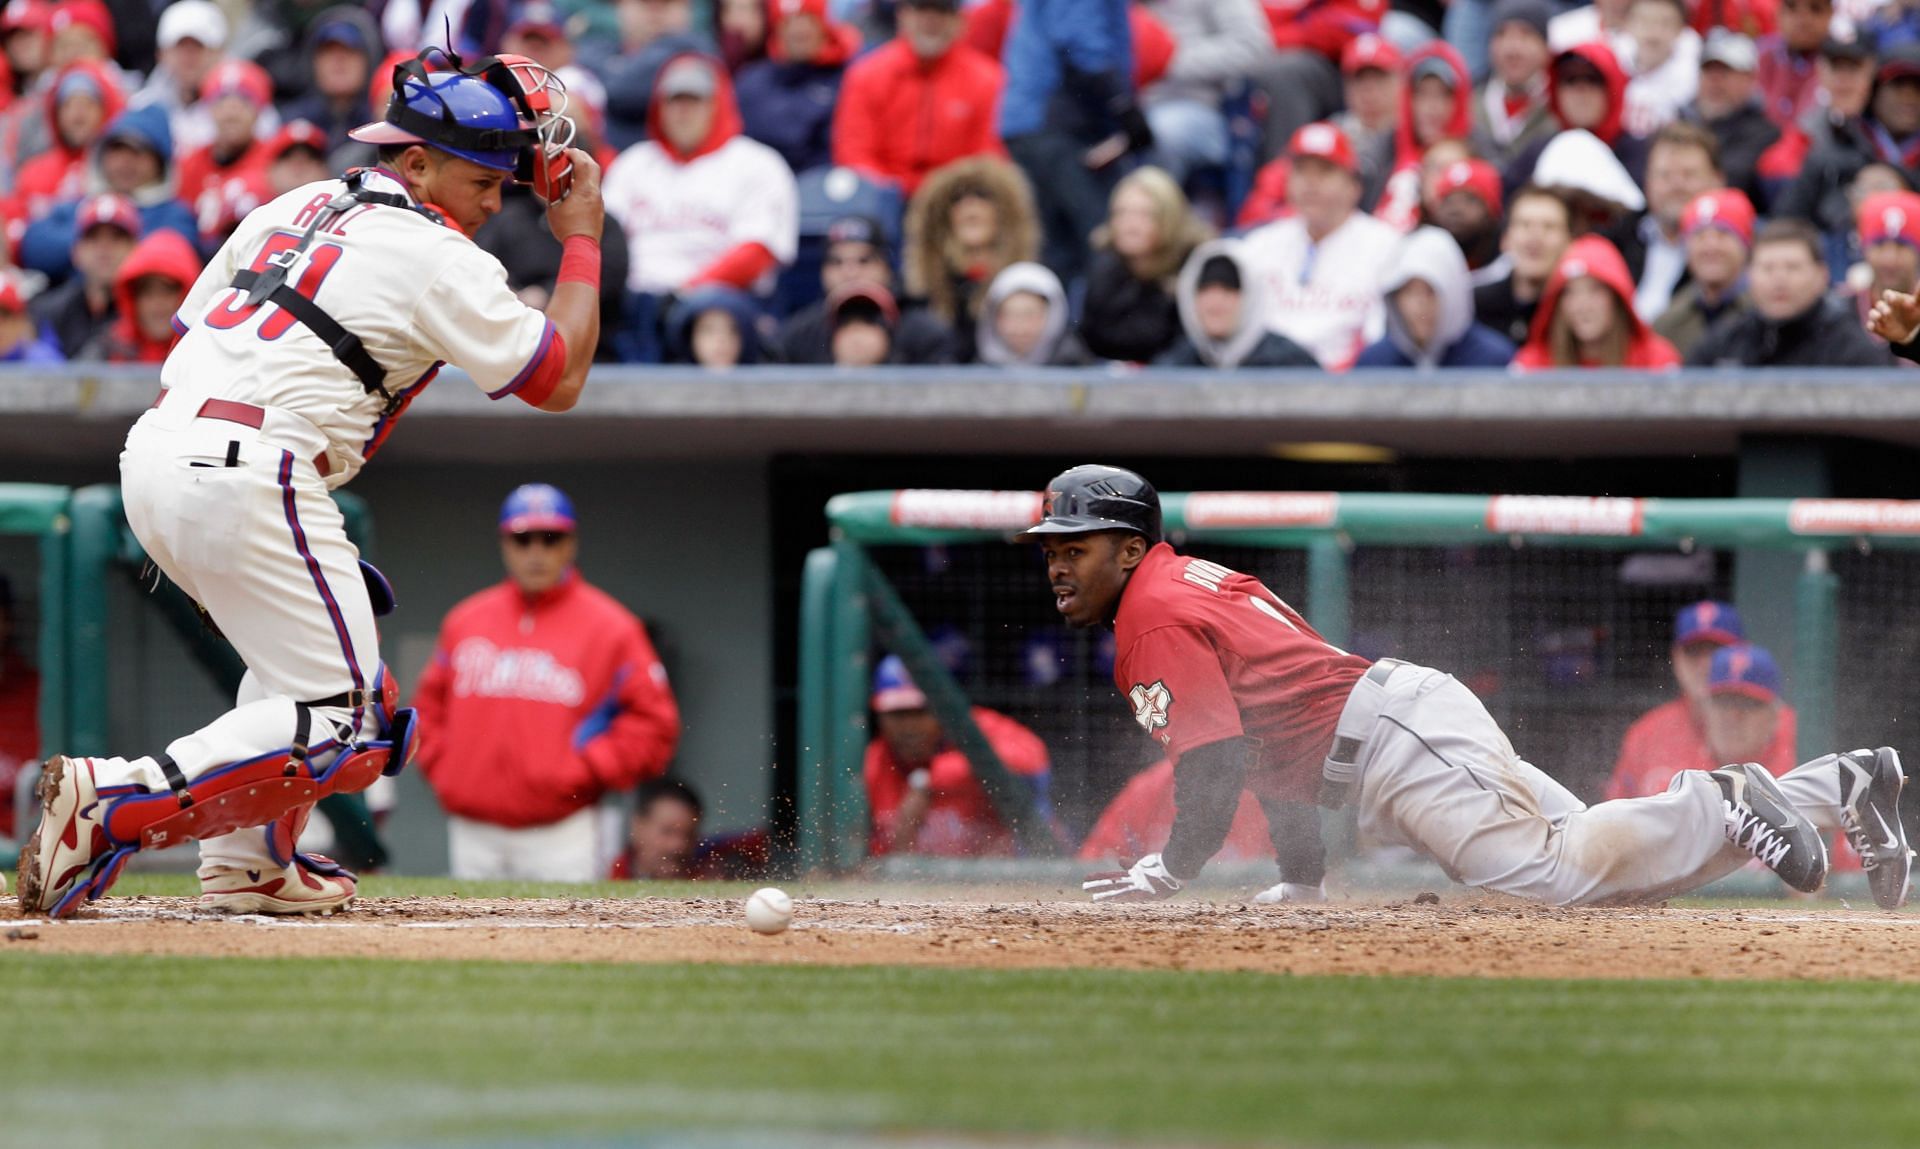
(1147, 880)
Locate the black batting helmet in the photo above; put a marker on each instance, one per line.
(1095, 498)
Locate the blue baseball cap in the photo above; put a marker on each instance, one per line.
(1708, 622)
(1744, 669)
(894, 688)
(536, 507)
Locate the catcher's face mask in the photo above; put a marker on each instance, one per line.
(542, 99)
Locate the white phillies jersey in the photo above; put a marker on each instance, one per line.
(417, 293)
(680, 217)
(1324, 296)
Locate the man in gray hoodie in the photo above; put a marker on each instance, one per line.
(1220, 311)
(1429, 295)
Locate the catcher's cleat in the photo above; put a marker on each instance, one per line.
(1870, 782)
(1291, 894)
(1761, 821)
(312, 884)
(70, 839)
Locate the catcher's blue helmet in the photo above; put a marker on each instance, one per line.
(460, 114)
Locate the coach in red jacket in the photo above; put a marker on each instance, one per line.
(543, 694)
(920, 101)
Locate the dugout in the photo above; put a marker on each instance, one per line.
(701, 495)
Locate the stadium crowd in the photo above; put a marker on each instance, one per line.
(1224, 183)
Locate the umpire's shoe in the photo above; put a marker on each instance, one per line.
(1870, 782)
(311, 884)
(70, 837)
(1762, 822)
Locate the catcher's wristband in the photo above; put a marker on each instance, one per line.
(580, 261)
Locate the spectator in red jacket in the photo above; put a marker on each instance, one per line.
(921, 792)
(543, 695)
(235, 94)
(1436, 104)
(920, 101)
(1586, 317)
(82, 100)
(148, 290)
(1673, 735)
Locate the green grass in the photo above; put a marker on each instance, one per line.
(121, 1051)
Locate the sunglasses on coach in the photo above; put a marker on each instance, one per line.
(544, 538)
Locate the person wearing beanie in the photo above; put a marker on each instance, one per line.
(1510, 112)
(1889, 230)
(1717, 229)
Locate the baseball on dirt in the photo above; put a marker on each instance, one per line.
(769, 911)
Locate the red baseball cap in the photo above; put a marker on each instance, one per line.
(11, 301)
(1724, 208)
(108, 208)
(1477, 177)
(1323, 141)
(36, 15)
(91, 14)
(1887, 216)
(1370, 51)
(297, 134)
(242, 78)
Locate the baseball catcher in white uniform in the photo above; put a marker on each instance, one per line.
(301, 345)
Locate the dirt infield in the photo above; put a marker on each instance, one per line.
(1463, 935)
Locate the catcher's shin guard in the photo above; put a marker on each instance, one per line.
(259, 791)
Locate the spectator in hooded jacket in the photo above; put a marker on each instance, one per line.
(1729, 107)
(1435, 105)
(715, 327)
(1788, 71)
(787, 100)
(1539, 228)
(1794, 322)
(1663, 56)
(700, 203)
(22, 340)
(341, 49)
(133, 158)
(918, 102)
(1586, 317)
(25, 119)
(1320, 267)
(1429, 300)
(1223, 315)
(1510, 110)
(1889, 227)
(148, 291)
(857, 252)
(542, 695)
(1069, 116)
(1718, 232)
(652, 32)
(82, 308)
(1025, 321)
(80, 102)
(1217, 45)
(1129, 313)
(969, 221)
(1888, 133)
(1587, 90)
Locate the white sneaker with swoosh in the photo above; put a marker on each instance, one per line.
(1870, 784)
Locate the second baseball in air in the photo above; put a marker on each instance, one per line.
(769, 911)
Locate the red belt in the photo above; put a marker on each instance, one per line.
(245, 414)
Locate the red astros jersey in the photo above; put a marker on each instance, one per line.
(417, 293)
(1205, 653)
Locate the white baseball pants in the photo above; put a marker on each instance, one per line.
(1435, 772)
(563, 851)
(239, 519)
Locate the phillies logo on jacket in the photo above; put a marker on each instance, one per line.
(483, 670)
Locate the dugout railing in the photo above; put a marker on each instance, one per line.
(1484, 586)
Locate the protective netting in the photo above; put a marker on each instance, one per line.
(1565, 645)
